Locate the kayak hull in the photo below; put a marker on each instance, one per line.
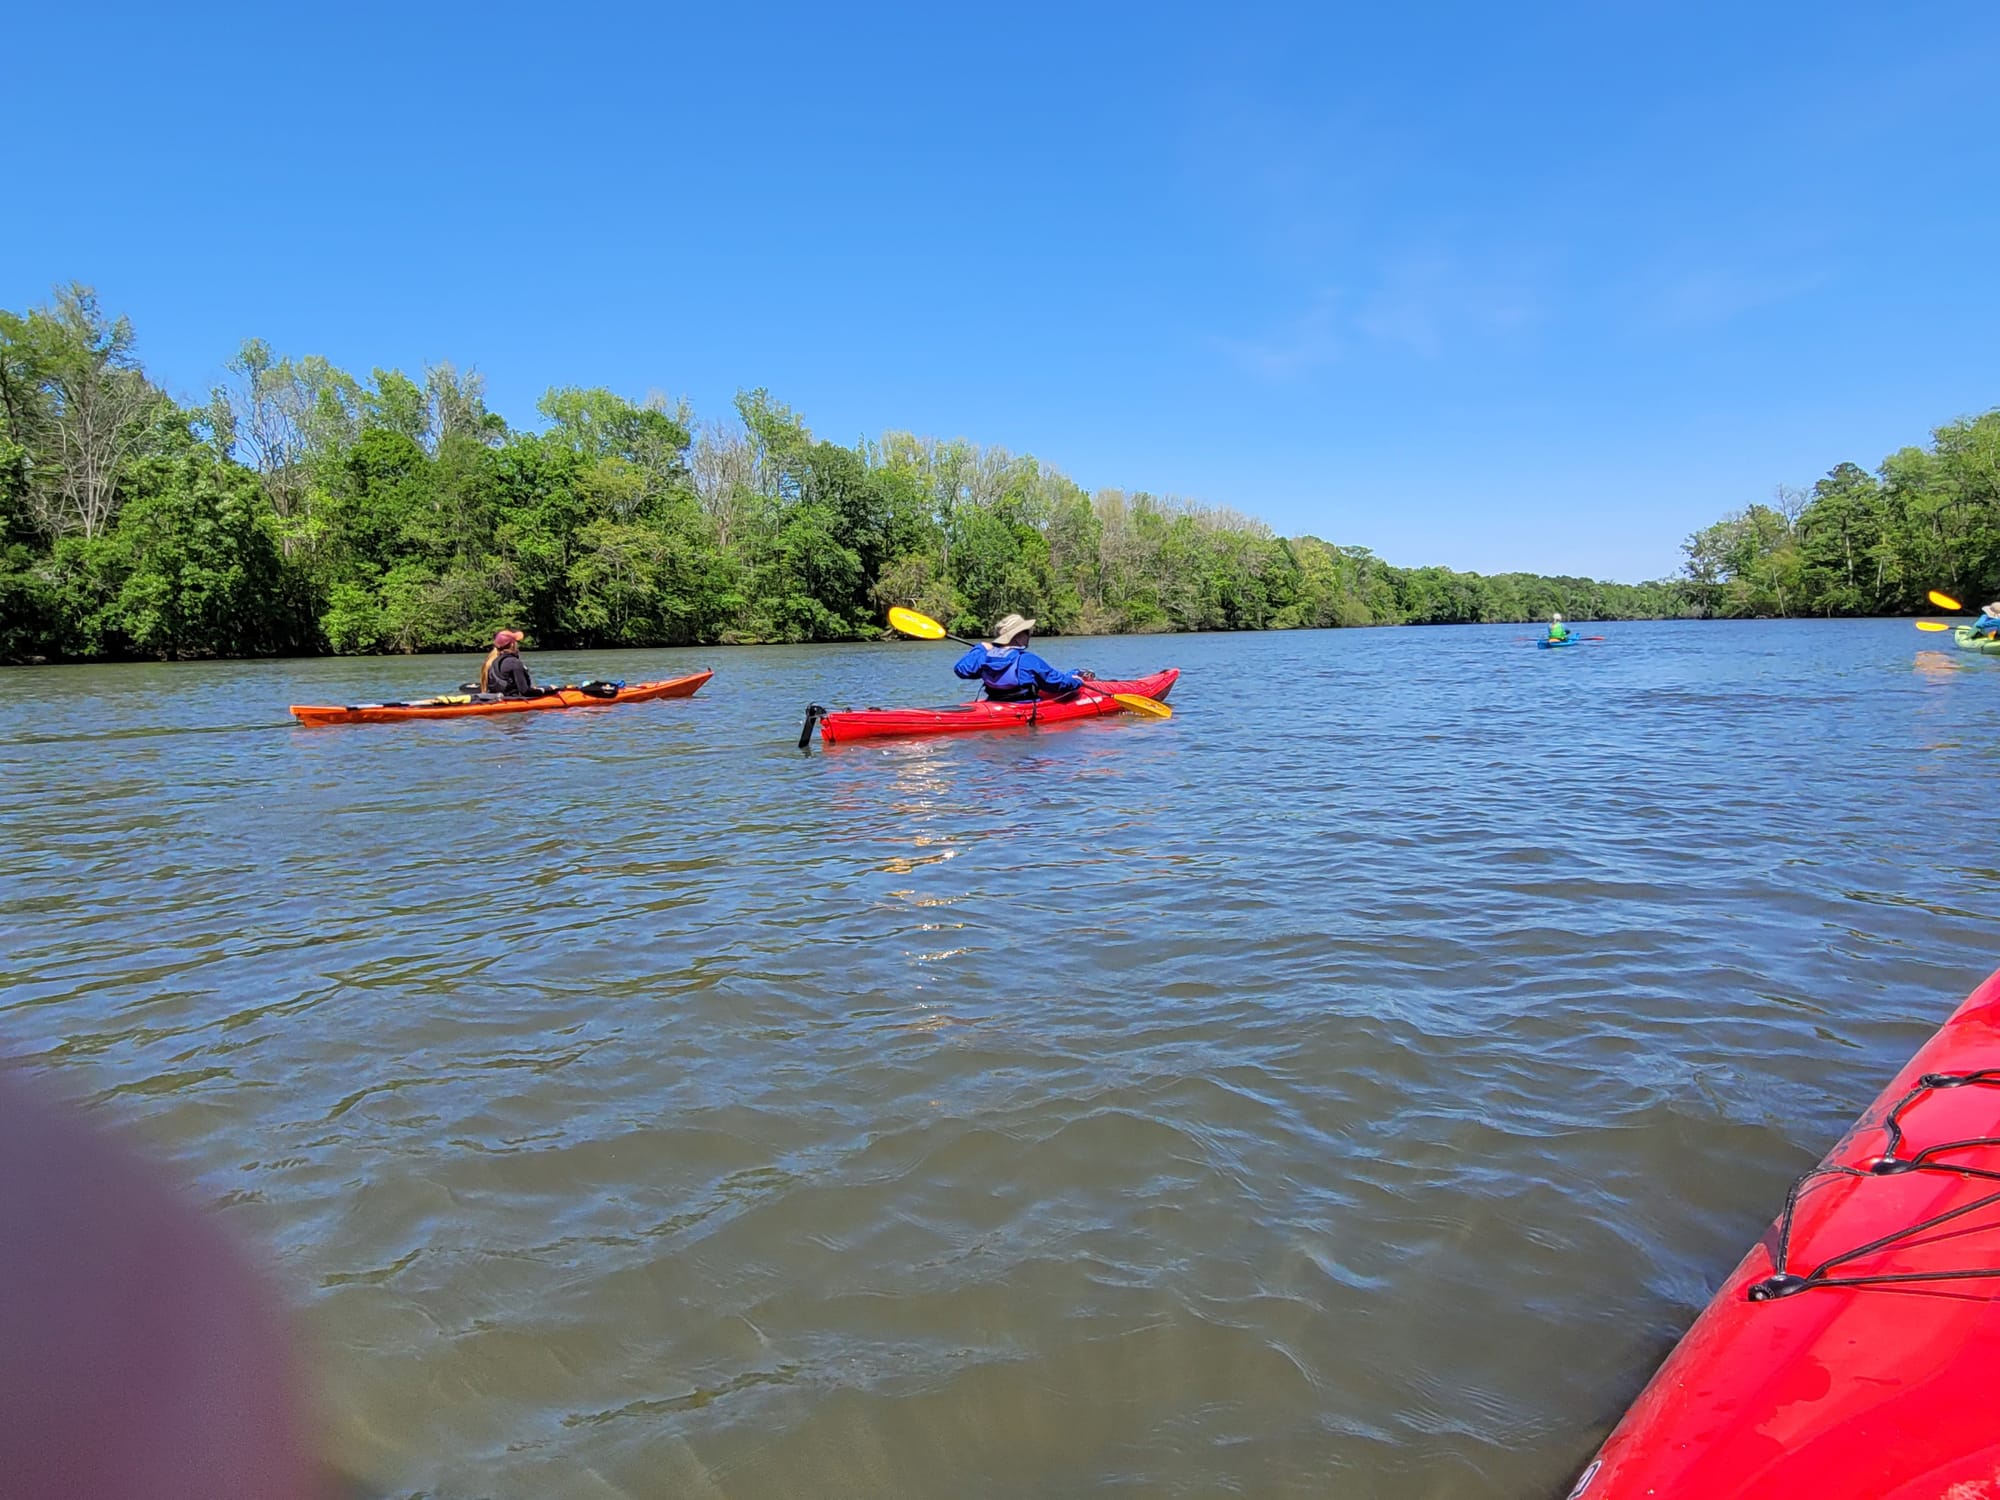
(391, 713)
(1969, 642)
(1881, 1390)
(1092, 700)
(1548, 645)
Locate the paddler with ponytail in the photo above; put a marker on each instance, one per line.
(504, 674)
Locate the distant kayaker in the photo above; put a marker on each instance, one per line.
(504, 672)
(1557, 630)
(1011, 672)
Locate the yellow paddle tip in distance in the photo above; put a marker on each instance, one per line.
(1932, 625)
(1153, 708)
(1945, 601)
(909, 622)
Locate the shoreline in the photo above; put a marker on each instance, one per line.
(893, 640)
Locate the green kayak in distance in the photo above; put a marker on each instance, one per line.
(1967, 641)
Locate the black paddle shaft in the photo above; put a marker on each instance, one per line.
(814, 713)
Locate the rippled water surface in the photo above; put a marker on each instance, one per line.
(1349, 1087)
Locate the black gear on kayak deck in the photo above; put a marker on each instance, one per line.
(1785, 1282)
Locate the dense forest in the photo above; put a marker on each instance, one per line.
(302, 510)
(1858, 543)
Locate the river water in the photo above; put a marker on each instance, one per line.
(1349, 1087)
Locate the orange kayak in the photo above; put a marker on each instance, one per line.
(462, 707)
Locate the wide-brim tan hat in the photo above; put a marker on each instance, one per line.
(1009, 627)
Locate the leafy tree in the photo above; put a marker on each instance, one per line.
(199, 563)
(398, 405)
(78, 405)
(302, 509)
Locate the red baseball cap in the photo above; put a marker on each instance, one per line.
(505, 638)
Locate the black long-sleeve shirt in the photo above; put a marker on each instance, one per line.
(509, 676)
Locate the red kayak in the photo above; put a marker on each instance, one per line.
(1853, 1354)
(838, 726)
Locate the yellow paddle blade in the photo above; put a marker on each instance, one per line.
(1945, 601)
(909, 622)
(1932, 625)
(1151, 707)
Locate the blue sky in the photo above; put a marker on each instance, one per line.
(1538, 287)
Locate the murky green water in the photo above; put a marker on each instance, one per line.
(1349, 1087)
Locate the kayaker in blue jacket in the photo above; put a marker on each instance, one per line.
(1011, 672)
(1557, 630)
(1988, 623)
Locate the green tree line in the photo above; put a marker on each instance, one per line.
(1862, 543)
(302, 509)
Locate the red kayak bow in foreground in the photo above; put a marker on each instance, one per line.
(1855, 1352)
